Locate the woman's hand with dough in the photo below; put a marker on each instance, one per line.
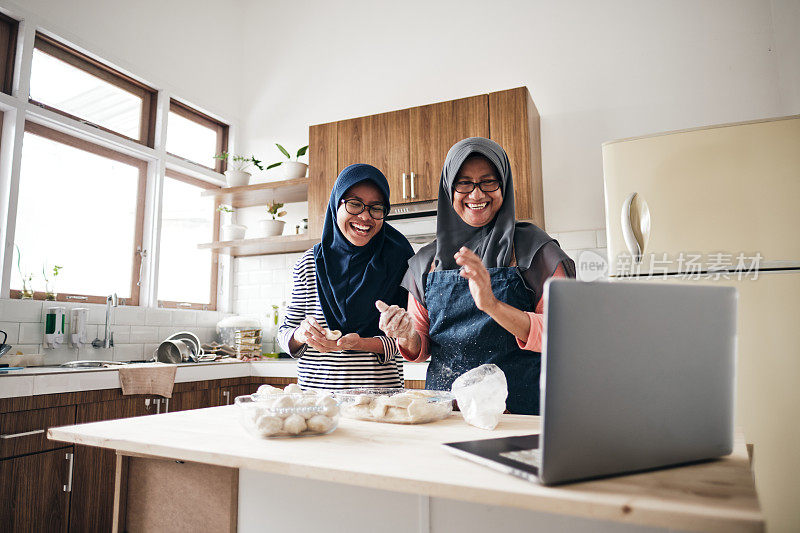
(310, 332)
(480, 284)
(394, 321)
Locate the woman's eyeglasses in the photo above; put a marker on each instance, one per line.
(466, 187)
(356, 207)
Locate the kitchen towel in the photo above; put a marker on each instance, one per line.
(148, 378)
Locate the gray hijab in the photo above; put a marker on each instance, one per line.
(496, 242)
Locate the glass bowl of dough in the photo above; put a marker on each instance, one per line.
(396, 406)
(291, 412)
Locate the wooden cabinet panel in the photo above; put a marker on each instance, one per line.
(514, 125)
(434, 129)
(378, 140)
(32, 492)
(92, 505)
(24, 432)
(322, 159)
(184, 401)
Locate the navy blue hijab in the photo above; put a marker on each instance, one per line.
(350, 278)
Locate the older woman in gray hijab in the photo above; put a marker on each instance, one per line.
(475, 293)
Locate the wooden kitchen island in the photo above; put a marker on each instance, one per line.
(200, 470)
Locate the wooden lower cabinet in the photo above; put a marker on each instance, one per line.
(92, 505)
(35, 491)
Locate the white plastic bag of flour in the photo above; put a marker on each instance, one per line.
(481, 395)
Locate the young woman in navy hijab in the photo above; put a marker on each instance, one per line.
(359, 260)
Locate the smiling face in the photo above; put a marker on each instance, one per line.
(477, 208)
(359, 229)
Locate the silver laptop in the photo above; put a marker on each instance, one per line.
(635, 376)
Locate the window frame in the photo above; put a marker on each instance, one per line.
(212, 306)
(87, 146)
(197, 117)
(8, 52)
(93, 67)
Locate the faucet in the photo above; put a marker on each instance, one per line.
(108, 340)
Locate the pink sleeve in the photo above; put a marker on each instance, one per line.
(419, 318)
(534, 340)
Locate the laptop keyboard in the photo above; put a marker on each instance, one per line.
(531, 457)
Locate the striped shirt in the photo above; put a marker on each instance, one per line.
(332, 370)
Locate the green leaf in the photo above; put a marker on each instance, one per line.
(302, 151)
(256, 162)
(223, 156)
(282, 149)
(273, 165)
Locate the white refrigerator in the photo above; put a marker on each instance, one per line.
(721, 205)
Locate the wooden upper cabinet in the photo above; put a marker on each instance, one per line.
(514, 125)
(381, 141)
(434, 129)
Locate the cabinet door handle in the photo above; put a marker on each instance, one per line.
(17, 435)
(227, 395)
(412, 186)
(68, 486)
(157, 401)
(166, 405)
(404, 185)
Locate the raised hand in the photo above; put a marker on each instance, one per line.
(480, 284)
(310, 332)
(394, 321)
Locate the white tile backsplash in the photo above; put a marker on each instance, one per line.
(158, 317)
(31, 332)
(137, 331)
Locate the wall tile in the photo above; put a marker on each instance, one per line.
(144, 334)
(128, 352)
(12, 330)
(21, 310)
(260, 278)
(270, 262)
(208, 318)
(158, 317)
(246, 264)
(122, 334)
(129, 316)
(166, 331)
(30, 332)
(20, 348)
(149, 350)
(578, 240)
(181, 317)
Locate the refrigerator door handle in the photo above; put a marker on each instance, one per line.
(635, 221)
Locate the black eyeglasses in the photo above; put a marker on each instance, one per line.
(466, 187)
(356, 207)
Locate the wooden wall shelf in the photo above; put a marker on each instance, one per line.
(262, 246)
(259, 194)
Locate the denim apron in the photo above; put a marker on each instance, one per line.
(464, 337)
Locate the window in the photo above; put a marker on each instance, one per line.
(73, 84)
(195, 136)
(81, 206)
(8, 51)
(187, 276)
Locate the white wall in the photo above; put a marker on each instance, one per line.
(597, 71)
(188, 47)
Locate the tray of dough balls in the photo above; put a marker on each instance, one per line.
(396, 406)
(290, 412)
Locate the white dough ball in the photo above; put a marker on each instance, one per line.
(283, 402)
(319, 423)
(294, 424)
(329, 406)
(333, 335)
(293, 388)
(269, 425)
(362, 399)
(268, 389)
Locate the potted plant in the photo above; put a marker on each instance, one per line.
(50, 291)
(292, 169)
(231, 231)
(27, 279)
(237, 174)
(272, 226)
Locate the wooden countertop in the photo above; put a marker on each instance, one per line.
(712, 496)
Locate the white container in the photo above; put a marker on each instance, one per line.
(271, 228)
(237, 178)
(233, 232)
(293, 169)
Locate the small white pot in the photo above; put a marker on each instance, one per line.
(293, 169)
(237, 178)
(233, 232)
(271, 228)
